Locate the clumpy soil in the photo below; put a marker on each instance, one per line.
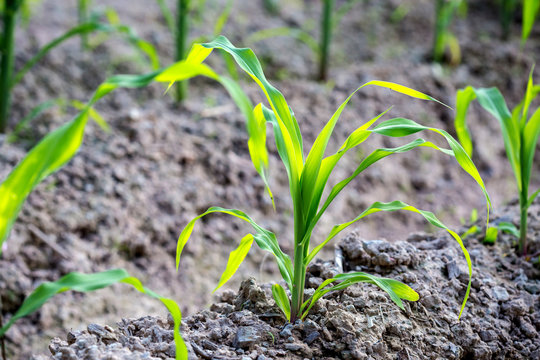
(501, 319)
(123, 199)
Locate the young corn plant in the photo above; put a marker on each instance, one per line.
(530, 9)
(308, 177)
(443, 38)
(520, 135)
(180, 30)
(9, 79)
(331, 16)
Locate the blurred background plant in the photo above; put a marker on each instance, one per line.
(520, 134)
(443, 38)
(9, 78)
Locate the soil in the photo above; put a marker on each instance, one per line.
(123, 199)
(501, 319)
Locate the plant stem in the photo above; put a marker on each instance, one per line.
(82, 11)
(523, 228)
(326, 35)
(438, 36)
(523, 198)
(7, 60)
(299, 276)
(181, 42)
(507, 14)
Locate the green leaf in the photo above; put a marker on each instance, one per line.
(530, 11)
(265, 239)
(34, 113)
(492, 100)
(394, 206)
(60, 145)
(77, 30)
(395, 127)
(236, 258)
(508, 228)
(167, 15)
(531, 133)
(57, 148)
(282, 300)
(312, 166)
(223, 17)
(463, 99)
(90, 282)
(256, 127)
(533, 196)
(287, 124)
(402, 127)
(491, 235)
(470, 231)
(395, 289)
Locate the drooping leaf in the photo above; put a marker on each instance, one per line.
(395, 206)
(265, 239)
(77, 30)
(312, 166)
(236, 258)
(401, 127)
(287, 124)
(59, 146)
(395, 289)
(89, 282)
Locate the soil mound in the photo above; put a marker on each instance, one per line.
(501, 319)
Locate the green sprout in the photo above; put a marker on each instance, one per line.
(308, 177)
(520, 135)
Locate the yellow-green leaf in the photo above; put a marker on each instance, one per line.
(236, 258)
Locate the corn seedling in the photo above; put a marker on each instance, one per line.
(8, 79)
(82, 13)
(330, 18)
(529, 10)
(520, 135)
(443, 38)
(7, 57)
(90, 282)
(180, 29)
(308, 177)
(507, 9)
